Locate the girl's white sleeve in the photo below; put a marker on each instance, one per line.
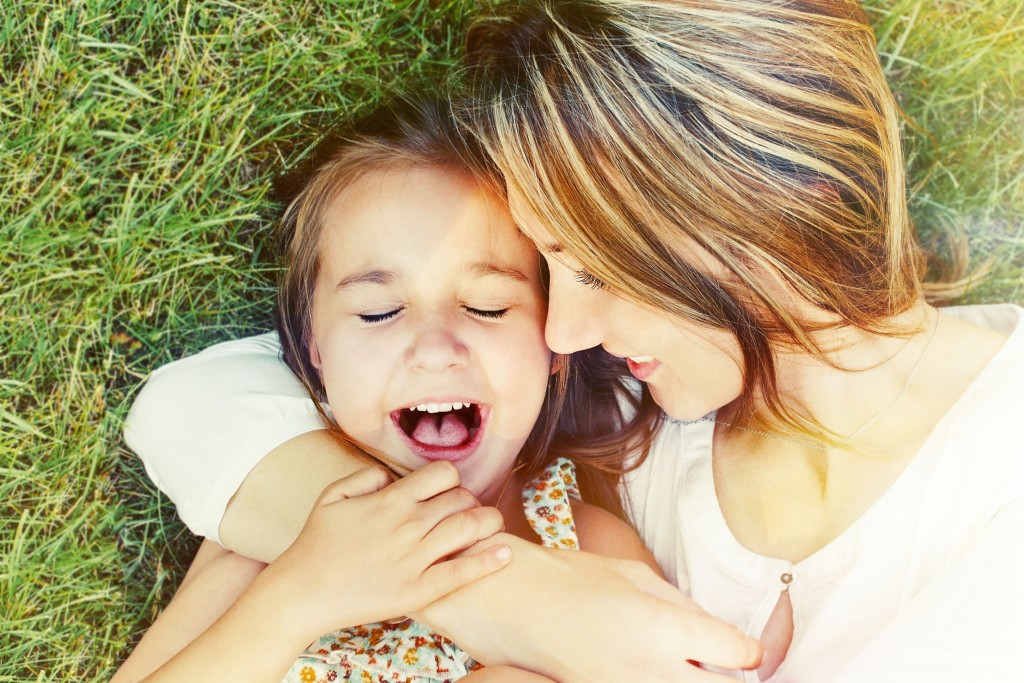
(202, 423)
(966, 625)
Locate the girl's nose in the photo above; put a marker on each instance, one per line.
(437, 349)
(574, 316)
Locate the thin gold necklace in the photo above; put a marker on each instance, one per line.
(860, 430)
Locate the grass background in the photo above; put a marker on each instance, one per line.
(137, 139)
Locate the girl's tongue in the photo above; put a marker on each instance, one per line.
(444, 430)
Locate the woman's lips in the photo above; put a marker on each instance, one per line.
(642, 367)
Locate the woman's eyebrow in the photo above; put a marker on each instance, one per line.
(372, 277)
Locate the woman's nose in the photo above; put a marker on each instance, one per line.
(436, 348)
(574, 317)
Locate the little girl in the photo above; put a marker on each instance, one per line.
(412, 310)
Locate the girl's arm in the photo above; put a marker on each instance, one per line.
(602, 533)
(339, 573)
(215, 580)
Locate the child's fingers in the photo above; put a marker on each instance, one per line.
(457, 532)
(450, 575)
(360, 483)
(432, 512)
(429, 480)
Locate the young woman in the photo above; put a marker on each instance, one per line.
(718, 190)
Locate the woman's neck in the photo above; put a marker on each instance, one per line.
(862, 378)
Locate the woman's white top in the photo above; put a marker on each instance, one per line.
(928, 585)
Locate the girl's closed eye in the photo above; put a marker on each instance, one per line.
(374, 318)
(487, 313)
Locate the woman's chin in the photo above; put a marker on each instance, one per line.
(685, 406)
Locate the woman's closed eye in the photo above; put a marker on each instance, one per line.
(380, 317)
(585, 277)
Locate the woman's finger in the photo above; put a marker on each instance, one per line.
(360, 483)
(710, 641)
(694, 674)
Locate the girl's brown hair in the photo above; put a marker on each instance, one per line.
(761, 132)
(581, 412)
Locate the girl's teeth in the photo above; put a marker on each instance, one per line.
(440, 407)
(641, 359)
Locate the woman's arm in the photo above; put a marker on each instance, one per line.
(203, 427)
(268, 511)
(576, 617)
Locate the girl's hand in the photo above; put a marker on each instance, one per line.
(581, 618)
(372, 550)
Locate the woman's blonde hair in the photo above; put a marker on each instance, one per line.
(761, 132)
(581, 416)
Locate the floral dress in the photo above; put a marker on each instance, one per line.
(409, 652)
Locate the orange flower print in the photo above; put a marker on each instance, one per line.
(307, 675)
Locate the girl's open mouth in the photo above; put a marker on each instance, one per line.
(441, 431)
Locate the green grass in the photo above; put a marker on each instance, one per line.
(137, 140)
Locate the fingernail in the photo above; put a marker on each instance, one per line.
(503, 553)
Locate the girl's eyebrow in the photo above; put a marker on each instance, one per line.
(374, 277)
(386, 277)
(484, 268)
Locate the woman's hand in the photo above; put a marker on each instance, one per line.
(373, 550)
(582, 618)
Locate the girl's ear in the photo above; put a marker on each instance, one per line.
(558, 362)
(314, 355)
